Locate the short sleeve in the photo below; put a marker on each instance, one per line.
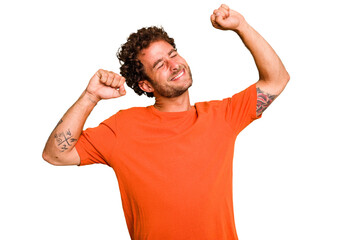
(95, 145)
(241, 109)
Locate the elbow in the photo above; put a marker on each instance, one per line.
(50, 159)
(45, 156)
(286, 77)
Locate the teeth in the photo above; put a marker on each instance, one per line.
(179, 75)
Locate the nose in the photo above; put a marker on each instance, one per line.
(173, 65)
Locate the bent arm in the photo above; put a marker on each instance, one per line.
(60, 146)
(273, 76)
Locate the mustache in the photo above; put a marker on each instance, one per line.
(176, 72)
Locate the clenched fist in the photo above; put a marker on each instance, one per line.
(225, 18)
(106, 85)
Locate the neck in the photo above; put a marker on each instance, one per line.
(176, 104)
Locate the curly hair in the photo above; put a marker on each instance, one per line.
(130, 66)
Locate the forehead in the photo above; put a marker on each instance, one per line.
(155, 51)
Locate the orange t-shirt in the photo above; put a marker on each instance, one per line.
(174, 169)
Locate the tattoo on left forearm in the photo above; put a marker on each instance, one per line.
(64, 140)
(263, 101)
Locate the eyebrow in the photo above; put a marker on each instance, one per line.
(160, 59)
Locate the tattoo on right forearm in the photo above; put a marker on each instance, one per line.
(60, 122)
(64, 140)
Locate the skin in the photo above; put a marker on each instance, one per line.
(273, 76)
(60, 147)
(170, 77)
(170, 96)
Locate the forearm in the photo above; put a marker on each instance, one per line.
(271, 69)
(273, 76)
(59, 149)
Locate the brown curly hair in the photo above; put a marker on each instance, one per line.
(130, 66)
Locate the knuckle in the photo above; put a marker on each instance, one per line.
(117, 76)
(114, 83)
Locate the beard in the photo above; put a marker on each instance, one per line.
(172, 91)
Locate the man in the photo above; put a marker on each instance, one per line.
(173, 161)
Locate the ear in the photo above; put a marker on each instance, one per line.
(146, 86)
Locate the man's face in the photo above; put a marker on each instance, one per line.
(169, 73)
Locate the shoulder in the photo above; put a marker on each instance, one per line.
(208, 106)
(124, 115)
(131, 116)
(249, 92)
(132, 111)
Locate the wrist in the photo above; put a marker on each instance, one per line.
(90, 98)
(242, 28)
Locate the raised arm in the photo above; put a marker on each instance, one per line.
(273, 76)
(60, 147)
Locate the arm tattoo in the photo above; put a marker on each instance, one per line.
(64, 140)
(60, 122)
(263, 101)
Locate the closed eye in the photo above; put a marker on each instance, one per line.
(160, 65)
(173, 53)
(160, 62)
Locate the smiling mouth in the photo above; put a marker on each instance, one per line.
(179, 75)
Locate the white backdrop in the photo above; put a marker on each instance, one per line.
(296, 170)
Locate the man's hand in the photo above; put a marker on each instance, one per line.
(273, 76)
(106, 85)
(224, 18)
(60, 147)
